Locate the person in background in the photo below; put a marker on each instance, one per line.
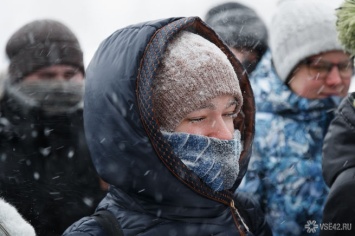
(45, 168)
(2, 82)
(12, 223)
(169, 119)
(338, 163)
(297, 86)
(241, 28)
(338, 167)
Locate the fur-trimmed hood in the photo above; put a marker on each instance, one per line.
(12, 223)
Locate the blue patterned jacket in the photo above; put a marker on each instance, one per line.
(285, 172)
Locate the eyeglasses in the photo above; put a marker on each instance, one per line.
(320, 69)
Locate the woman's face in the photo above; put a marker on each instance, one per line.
(323, 75)
(213, 119)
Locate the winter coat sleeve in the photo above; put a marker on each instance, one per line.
(338, 168)
(339, 142)
(86, 226)
(339, 210)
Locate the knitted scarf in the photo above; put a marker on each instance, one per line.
(214, 160)
(52, 97)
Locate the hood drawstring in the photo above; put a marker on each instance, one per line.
(242, 226)
(3, 230)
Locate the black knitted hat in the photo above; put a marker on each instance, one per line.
(239, 26)
(42, 43)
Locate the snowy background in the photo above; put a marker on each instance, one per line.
(94, 20)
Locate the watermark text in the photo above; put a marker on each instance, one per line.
(312, 226)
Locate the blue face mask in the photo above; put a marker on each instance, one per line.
(215, 161)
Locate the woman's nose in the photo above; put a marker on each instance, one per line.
(222, 129)
(333, 78)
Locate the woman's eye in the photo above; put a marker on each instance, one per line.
(321, 67)
(196, 119)
(231, 114)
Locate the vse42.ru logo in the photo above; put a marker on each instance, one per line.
(312, 226)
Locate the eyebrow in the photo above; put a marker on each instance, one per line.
(211, 106)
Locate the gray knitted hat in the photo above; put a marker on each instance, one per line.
(39, 44)
(192, 72)
(300, 29)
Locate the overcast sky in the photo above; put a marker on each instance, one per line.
(94, 20)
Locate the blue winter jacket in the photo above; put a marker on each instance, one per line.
(285, 171)
(151, 191)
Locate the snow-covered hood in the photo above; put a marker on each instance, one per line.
(126, 145)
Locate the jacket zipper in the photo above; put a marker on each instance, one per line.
(2, 228)
(239, 220)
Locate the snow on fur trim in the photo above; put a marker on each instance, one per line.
(12, 222)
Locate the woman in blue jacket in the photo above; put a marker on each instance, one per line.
(169, 118)
(297, 85)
